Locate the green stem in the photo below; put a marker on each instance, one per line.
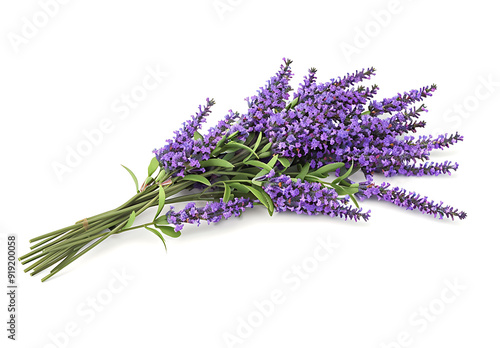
(84, 238)
(39, 262)
(57, 232)
(52, 261)
(136, 227)
(69, 236)
(107, 235)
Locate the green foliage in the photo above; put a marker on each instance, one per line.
(153, 165)
(133, 178)
(197, 178)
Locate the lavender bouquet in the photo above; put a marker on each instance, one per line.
(286, 155)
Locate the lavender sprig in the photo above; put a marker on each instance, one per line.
(410, 201)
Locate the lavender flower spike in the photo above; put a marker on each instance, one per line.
(212, 212)
(410, 200)
(304, 197)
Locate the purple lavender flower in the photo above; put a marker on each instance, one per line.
(184, 153)
(329, 124)
(410, 200)
(180, 152)
(269, 100)
(400, 102)
(212, 212)
(303, 197)
(351, 79)
(427, 168)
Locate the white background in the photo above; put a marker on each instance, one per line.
(62, 74)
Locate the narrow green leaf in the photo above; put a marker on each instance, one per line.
(221, 141)
(216, 152)
(327, 168)
(133, 177)
(197, 136)
(161, 176)
(234, 144)
(273, 161)
(292, 104)
(265, 148)
(153, 165)
(227, 150)
(354, 201)
(304, 171)
(130, 221)
(270, 203)
(255, 146)
(227, 193)
(148, 180)
(257, 192)
(232, 135)
(341, 190)
(250, 137)
(169, 231)
(264, 171)
(257, 142)
(161, 200)
(228, 156)
(239, 187)
(162, 220)
(256, 182)
(340, 178)
(259, 164)
(158, 234)
(284, 162)
(216, 162)
(259, 174)
(312, 178)
(197, 178)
